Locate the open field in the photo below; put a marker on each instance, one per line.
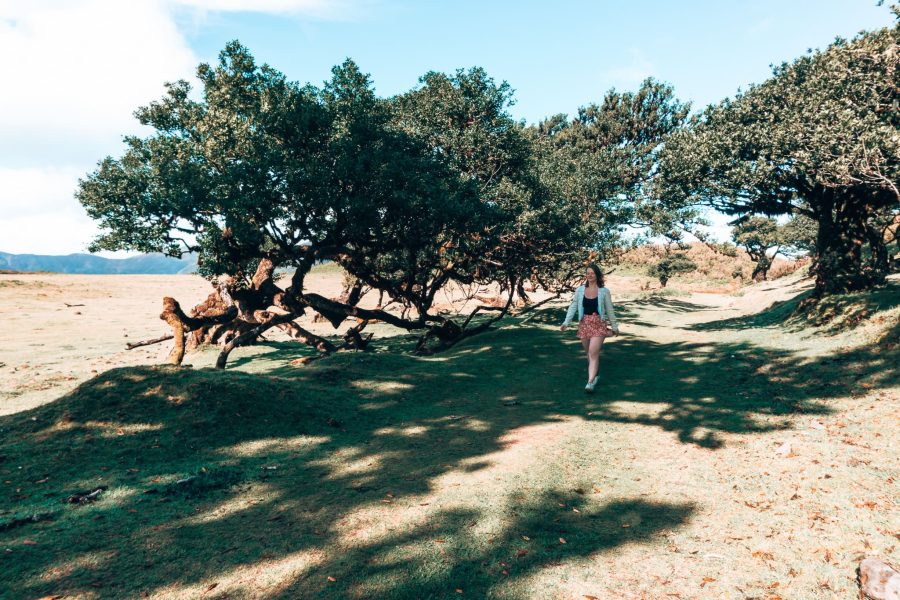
(732, 451)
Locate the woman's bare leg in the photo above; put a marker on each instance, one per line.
(594, 347)
(586, 344)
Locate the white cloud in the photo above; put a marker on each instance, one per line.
(34, 190)
(73, 73)
(50, 233)
(38, 214)
(80, 71)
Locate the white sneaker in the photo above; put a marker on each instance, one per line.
(590, 386)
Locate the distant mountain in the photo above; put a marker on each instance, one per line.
(88, 264)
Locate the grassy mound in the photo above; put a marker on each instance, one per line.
(876, 309)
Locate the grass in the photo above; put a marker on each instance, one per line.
(16, 283)
(483, 472)
(830, 315)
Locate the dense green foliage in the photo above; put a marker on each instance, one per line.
(819, 139)
(440, 184)
(407, 194)
(671, 265)
(607, 157)
(758, 235)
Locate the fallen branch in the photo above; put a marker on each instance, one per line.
(133, 345)
(353, 340)
(72, 305)
(86, 496)
(307, 337)
(337, 312)
(531, 307)
(479, 309)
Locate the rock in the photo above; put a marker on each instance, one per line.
(878, 581)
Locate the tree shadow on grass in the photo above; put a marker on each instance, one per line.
(543, 531)
(296, 460)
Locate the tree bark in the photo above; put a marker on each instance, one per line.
(843, 234)
(307, 337)
(181, 324)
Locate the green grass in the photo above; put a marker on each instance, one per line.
(831, 314)
(485, 469)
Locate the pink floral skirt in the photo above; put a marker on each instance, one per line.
(592, 326)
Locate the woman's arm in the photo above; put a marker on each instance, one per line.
(610, 313)
(573, 308)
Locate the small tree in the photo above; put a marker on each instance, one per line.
(670, 266)
(758, 236)
(799, 235)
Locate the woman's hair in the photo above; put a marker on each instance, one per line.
(593, 267)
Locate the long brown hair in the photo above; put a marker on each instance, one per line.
(593, 267)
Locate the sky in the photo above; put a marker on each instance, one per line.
(74, 71)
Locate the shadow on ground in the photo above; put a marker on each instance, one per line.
(280, 462)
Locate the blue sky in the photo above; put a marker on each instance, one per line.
(85, 65)
(557, 55)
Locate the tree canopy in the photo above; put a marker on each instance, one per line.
(407, 193)
(819, 139)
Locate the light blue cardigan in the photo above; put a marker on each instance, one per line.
(604, 302)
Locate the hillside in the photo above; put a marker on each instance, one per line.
(150, 264)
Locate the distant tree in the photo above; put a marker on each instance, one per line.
(799, 234)
(818, 139)
(726, 249)
(670, 266)
(759, 236)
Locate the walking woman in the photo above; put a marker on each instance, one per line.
(596, 319)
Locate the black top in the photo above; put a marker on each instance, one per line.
(590, 306)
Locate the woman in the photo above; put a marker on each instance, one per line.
(593, 303)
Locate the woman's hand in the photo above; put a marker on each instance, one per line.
(563, 327)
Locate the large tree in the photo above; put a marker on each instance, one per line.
(819, 139)
(407, 194)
